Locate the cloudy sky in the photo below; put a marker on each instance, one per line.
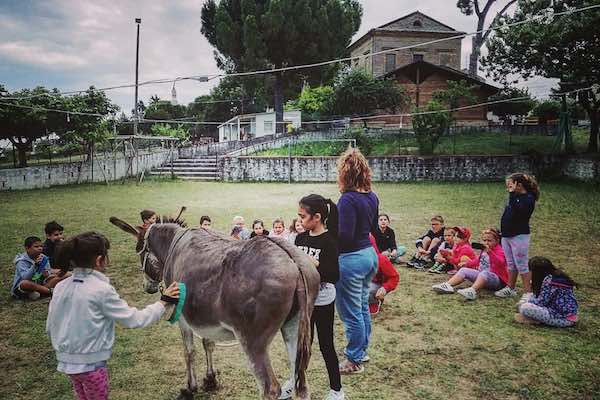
(72, 44)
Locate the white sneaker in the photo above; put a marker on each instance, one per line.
(505, 292)
(335, 395)
(468, 293)
(34, 295)
(443, 288)
(524, 299)
(287, 390)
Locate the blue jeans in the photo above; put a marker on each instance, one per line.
(352, 300)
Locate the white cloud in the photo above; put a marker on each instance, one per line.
(29, 53)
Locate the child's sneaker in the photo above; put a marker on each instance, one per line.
(375, 307)
(414, 260)
(287, 390)
(444, 268)
(435, 268)
(443, 288)
(505, 292)
(524, 299)
(33, 295)
(335, 395)
(468, 293)
(347, 367)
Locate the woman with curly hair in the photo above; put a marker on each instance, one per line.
(358, 212)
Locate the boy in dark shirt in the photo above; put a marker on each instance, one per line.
(385, 238)
(428, 244)
(54, 235)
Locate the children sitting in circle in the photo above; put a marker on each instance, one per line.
(553, 302)
(428, 244)
(461, 252)
(33, 275)
(278, 229)
(385, 237)
(54, 235)
(83, 311)
(489, 271)
(441, 265)
(205, 222)
(295, 229)
(384, 281)
(258, 229)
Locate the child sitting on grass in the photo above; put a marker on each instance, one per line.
(278, 229)
(427, 244)
(461, 252)
(553, 302)
(295, 229)
(492, 273)
(258, 229)
(385, 280)
(54, 235)
(33, 276)
(385, 238)
(148, 218)
(441, 265)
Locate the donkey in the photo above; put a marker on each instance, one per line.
(236, 290)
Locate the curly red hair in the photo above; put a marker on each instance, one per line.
(354, 173)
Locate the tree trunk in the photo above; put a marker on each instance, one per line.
(22, 154)
(593, 143)
(278, 100)
(477, 42)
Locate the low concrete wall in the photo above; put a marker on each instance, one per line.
(408, 168)
(108, 169)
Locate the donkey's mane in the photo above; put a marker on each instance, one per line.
(171, 220)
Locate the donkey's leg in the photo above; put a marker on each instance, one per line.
(289, 331)
(210, 380)
(260, 364)
(190, 356)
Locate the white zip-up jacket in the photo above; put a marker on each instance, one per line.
(82, 315)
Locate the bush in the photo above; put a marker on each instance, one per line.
(429, 128)
(364, 142)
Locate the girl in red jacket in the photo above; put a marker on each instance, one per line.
(489, 271)
(385, 280)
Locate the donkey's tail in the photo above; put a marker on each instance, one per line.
(304, 339)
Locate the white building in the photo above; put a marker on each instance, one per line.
(248, 126)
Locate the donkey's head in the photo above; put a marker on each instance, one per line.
(152, 244)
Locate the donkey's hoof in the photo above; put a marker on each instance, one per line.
(210, 383)
(186, 394)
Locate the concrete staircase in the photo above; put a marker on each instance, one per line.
(204, 168)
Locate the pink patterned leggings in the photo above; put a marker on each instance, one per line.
(91, 385)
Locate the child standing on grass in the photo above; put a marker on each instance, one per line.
(33, 277)
(319, 217)
(83, 311)
(523, 192)
(554, 302)
(441, 264)
(278, 229)
(492, 272)
(258, 229)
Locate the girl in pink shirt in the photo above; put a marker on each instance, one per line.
(489, 271)
(462, 252)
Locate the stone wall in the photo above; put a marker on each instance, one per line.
(408, 168)
(103, 169)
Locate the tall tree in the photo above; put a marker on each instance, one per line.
(566, 47)
(257, 34)
(468, 7)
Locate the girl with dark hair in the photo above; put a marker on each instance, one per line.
(258, 229)
(554, 302)
(83, 311)
(359, 209)
(523, 192)
(319, 217)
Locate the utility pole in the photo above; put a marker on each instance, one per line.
(138, 21)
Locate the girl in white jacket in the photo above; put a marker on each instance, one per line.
(83, 312)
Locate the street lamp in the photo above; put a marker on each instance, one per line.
(138, 21)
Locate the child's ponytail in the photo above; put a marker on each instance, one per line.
(317, 204)
(528, 182)
(81, 251)
(333, 218)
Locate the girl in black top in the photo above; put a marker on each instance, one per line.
(319, 218)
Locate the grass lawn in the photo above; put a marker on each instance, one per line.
(473, 144)
(424, 346)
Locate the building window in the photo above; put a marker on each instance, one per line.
(417, 57)
(268, 126)
(418, 24)
(446, 59)
(390, 62)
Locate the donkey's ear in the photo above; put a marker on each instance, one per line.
(124, 226)
(183, 208)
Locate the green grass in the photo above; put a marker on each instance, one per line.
(424, 346)
(472, 144)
